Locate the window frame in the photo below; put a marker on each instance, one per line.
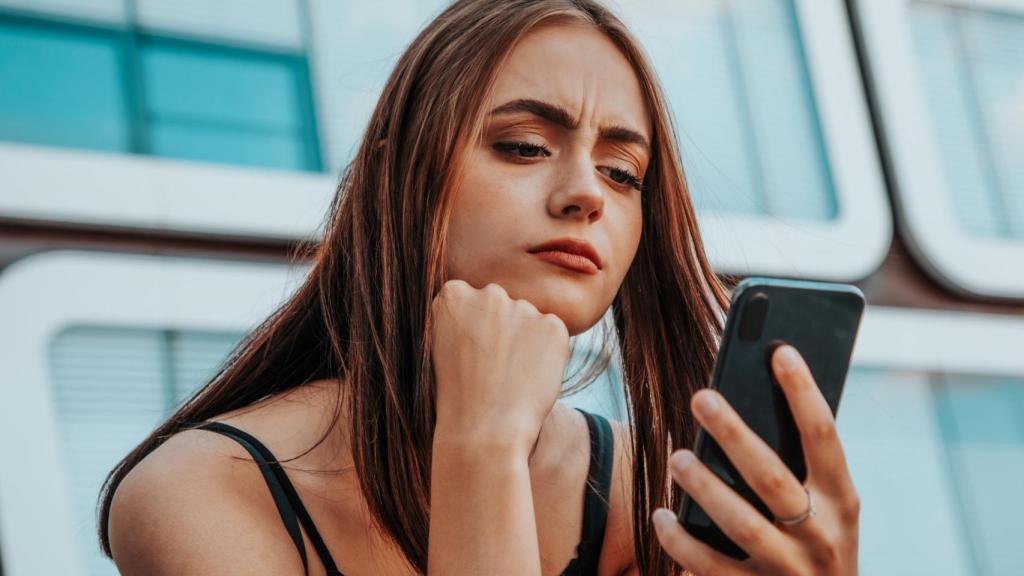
(966, 264)
(108, 289)
(853, 244)
(130, 39)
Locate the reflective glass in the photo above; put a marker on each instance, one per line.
(937, 460)
(62, 87)
(982, 423)
(737, 79)
(111, 387)
(224, 105)
(972, 65)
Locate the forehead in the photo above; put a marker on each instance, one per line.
(576, 67)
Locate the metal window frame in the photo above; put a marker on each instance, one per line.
(963, 263)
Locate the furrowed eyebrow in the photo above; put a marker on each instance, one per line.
(559, 116)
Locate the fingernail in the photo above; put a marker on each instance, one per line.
(788, 358)
(707, 403)
(662, 516)
(681, 459)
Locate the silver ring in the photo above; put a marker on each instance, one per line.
(809, 513)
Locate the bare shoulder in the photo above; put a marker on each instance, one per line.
(191, 507)
(617, 555)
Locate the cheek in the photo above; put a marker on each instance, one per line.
(625, 234)
(488, 213)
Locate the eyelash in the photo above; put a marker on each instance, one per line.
(509, 147)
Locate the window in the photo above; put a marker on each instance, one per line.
(95, 363)
(62, 88)
(114, 89)
(211, 103)
(775, 135)
(972, 65)
(949, 79)
(111, 387)
(932, 422)
(982, 423)
(738, 81)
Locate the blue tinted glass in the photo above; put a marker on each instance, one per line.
(233, 145)
(972, 64)
(198, 83)
(224, 105)
(61, 88)
(982, 424)
(736, 76)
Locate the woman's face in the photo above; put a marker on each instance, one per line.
(568, 131)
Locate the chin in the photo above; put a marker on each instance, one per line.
(577, 316)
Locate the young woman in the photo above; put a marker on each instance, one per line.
(518, 177)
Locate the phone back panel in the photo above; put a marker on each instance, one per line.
(821, 321)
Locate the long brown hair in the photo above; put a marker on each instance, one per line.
(361, 314)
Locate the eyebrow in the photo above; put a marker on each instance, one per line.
(558, 115)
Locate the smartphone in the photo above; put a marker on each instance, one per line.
(820, 320)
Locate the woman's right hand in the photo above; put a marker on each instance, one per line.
(498, 365)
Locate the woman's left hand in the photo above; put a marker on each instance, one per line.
(824, 544)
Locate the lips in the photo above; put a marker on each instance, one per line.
(578, 255)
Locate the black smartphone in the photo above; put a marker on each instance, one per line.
(820, 320)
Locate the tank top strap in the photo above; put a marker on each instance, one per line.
(595, 503)
(287, 500)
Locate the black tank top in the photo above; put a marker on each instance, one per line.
(293, 513)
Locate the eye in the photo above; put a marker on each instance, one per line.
(525, 149)
(624, 177)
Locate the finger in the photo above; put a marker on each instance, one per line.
(755, 460)
(691, 553)
(822, 450)
(736, 517)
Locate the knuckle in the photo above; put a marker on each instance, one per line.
(451, 289)
(691, 478)
(526, 306)
(773, 481)
(827, 553)
(823, 431)
(728, 430)
(495, 290)
(748, 530)
(556, 324)
(849, 507)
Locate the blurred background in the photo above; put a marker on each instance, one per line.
(159, 161)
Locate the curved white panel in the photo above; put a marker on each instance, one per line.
(964, 262)
(43, 294)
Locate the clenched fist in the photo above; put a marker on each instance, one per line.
(498, 366)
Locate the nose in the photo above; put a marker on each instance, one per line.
(580, 194)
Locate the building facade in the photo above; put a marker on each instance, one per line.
(159, 161)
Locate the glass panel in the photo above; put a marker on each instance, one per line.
(738, 83)
(972, 64)
(62, 88)
(982, 422)
(198, 141)
(893, 448)
(225, 105)
(941, 447)
(112, 386)
(185, 81)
